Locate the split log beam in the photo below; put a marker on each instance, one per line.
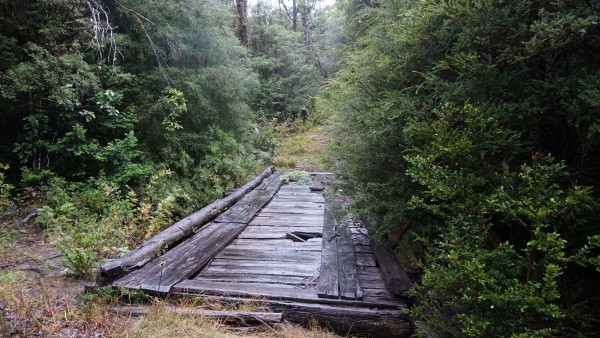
(328, 285)
(184, 260)
(152, 248)
(393, 273)
(348, 274)
(346, 320)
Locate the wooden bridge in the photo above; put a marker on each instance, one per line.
(285, 246)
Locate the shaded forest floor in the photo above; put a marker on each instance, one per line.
(39, 296)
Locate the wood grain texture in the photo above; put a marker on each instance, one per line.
(328, 285)
(275, 291)
(348, 274)
(245, 209)
(393, 273)
(184, 260)
(152, 248)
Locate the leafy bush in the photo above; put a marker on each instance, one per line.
(5, 188)
(469, 135)
(298, 176)
(499, 254)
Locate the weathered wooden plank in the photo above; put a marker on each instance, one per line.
(348, 274)
(365, 259)
(284, 256)
(276, 244)
(283, 197)
(362, 249)
(265, 253)
(152, 248)
(279, 243)
(245, 209)
(291, 211)
(361, 240)
(345, 320)
(233, 317)
(184, 260)
(271, 228)
(268, 235)
(279, 222)
(392, 271)
(253, 278)
(328, 285)
(292, 217)
(267, 264)
(278, 204)
(266, 247)
(271, 183)
(275, 291)
(288, 271)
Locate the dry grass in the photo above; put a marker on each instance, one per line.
(38, 297)
(303, 150)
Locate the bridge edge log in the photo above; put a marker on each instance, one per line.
(153, 247)
(392, 271)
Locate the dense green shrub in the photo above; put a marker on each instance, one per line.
(470, 129)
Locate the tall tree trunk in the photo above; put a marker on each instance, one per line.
(242, 8)
(295, 15)
(305, 17)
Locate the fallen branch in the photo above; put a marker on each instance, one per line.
(158, 244)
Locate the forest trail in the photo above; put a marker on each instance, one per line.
(304, 150)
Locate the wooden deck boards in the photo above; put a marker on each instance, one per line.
(270, 254)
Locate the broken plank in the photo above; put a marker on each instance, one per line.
(328, 285)
(184, 260)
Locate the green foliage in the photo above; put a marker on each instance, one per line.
(298, 176)
(482, 278)
(463, 126)
(5, 188)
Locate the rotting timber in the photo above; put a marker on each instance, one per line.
(282, 246)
